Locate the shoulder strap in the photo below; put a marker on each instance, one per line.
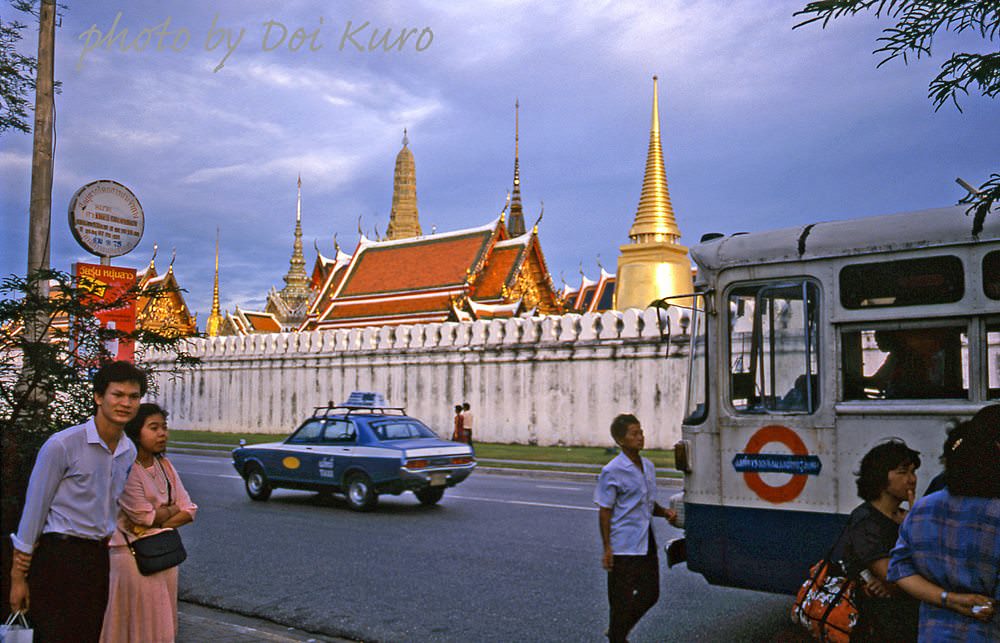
(166, 477)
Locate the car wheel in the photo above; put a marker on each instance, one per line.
(429, 495)
(361, 494)
(258, 488)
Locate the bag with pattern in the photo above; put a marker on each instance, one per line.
(825, 604)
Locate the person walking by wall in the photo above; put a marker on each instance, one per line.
(144, 608)
(60, 571)
(467, 422)
(458, 432)
(887, 478)
(948, 552)
(626, 500)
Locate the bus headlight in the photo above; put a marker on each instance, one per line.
(682, 456)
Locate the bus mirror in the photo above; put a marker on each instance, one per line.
(682, 456)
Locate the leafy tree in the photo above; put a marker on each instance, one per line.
(55, 391)
(917, 22)
(17, 79)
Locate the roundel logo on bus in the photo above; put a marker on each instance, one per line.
(753, 462)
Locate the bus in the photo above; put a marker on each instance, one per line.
(809, 346)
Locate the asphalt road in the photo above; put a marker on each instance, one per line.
(499, 559)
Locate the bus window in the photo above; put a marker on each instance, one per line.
(697, 407)
(905, 282)
(993, 359)
(991, 275)
(773, 347)
(909, 363)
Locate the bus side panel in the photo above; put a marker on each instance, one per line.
(762, 549)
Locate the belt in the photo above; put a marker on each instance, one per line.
(52, 536)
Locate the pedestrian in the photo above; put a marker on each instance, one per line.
(144, 608)
(887, 478)
(948, 552)
(60, 565)
(626, 498)
(467, 422)
(458, 432)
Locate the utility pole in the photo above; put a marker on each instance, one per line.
(14, 476)
(41, 154)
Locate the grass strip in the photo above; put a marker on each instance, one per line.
(661, 458)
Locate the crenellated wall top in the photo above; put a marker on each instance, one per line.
(591, 329)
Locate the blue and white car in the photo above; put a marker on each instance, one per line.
(362, 448)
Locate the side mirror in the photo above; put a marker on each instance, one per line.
(243, 442)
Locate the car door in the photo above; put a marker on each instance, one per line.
(302, 452)
(340, 438)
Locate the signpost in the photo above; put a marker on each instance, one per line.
(107, 220)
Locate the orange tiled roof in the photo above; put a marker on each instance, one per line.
(498, 271)
(262, 322)
(418, 264)
(391, 306)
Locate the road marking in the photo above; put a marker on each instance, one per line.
(549, 486)
(524, 502)
(211, 475)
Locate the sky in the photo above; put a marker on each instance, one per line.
(763, 126)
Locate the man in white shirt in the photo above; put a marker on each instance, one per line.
(626, 497)
(61, 566)
(467, 422)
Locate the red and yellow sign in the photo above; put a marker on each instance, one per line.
(109, 283)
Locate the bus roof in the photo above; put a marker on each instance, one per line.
(885, 233)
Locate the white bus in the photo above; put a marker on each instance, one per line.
(812, 345)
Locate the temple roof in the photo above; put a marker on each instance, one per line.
(434, 278)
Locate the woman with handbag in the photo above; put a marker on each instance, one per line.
(142, 603)
(887, 477)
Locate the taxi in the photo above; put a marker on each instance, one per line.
(362, 448)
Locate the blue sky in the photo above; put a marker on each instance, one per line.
(762, 126)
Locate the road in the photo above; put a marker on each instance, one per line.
(501, 558)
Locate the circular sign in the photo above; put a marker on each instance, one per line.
(106, 218)
(290, 462)
(783, 435)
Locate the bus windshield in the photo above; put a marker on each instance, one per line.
(773, 347)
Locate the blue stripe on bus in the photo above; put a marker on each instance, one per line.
(763, 549)
(777, 463)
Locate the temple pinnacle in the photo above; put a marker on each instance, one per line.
(516, 226)
(654, 219)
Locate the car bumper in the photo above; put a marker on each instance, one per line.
(433, 476)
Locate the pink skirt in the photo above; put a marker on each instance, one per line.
(141, 609)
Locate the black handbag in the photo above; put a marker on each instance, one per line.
(160, 551)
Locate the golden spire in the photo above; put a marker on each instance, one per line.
(214, 322)
(403, 218)
(516, 227)
(296, 290)
(654, 219)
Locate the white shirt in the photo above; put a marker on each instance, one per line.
(630, 494)
(74, 486)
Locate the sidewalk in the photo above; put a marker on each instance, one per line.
(197, 624)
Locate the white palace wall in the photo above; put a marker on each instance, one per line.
(549, 381)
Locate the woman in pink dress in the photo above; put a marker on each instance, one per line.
(144, 608)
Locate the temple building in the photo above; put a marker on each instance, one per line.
(591, 296)
(248, 322)
(475, 273)
(163, 309)
(403, 219)
(653, 264)
(290, 304)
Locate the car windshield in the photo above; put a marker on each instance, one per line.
(400, 429)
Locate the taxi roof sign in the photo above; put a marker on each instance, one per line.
(365, 400)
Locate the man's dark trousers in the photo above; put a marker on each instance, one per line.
(68, 582)
(633, 588)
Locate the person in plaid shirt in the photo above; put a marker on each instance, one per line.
(948, 552)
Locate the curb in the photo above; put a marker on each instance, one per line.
(673, 483)
(198, 623)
